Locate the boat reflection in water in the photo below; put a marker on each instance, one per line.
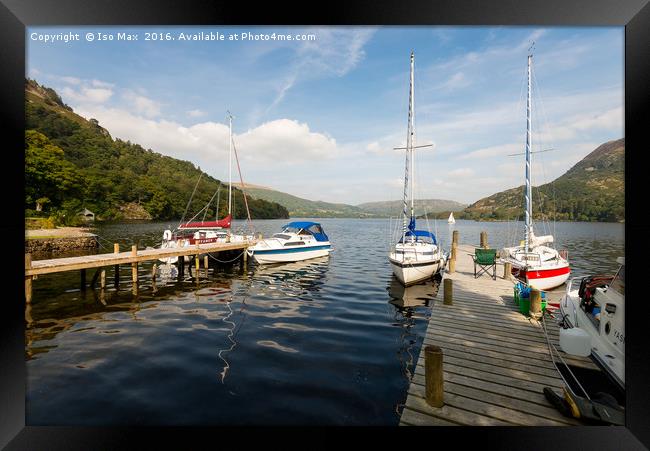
(292, 279)
(411, 311)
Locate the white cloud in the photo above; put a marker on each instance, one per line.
(462, 172)
(85, 94)
(142, 104)
(493, 151)
(71, 80)
(456, 81)
(101, 84)
(283, 141)
(196, 113)
(335, 52)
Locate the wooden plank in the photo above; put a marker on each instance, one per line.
(481, 358)
(489, 386)
(97, 260)
(414, 418)
(491, 410)
(451, 413)
(488, 369)
(504, 381)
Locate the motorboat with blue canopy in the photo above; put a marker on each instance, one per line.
(298, 240)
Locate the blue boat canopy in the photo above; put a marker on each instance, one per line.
(312, 227)
(418, 234)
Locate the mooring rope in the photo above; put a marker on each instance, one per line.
(552, 347)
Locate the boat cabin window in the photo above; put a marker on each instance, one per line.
(304, 232)
(618, 284)
(282, 236)
(294, 243)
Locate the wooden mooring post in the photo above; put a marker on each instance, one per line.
(116, 250)
(535, 303)
(134, 265)
(484, 240)
(452, 261)
(434, 388)
(507, 270)
(102, 278)
(454, 238)
(28, 279)
(449, 291)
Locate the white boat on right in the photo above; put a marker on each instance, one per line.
(451, 219)
(593, 320)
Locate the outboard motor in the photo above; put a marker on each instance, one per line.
(167, 235)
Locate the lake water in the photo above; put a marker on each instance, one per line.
(329, 341)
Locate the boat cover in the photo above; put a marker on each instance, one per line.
(222, 223)
(313, 227)
(421, 234)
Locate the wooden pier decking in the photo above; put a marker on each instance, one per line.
(496, 361)
(55, 265)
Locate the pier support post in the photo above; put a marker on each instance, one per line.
(535, 303)
(93, 282)
(116, 250)
(181, 267)
(452, 265)
(454, 238)
(102, 279)
(154, 271)
(449, 292)
(83, 280)
(245, 256)
(197, 263)
(206, 263)
(28, 279)
(507, 270)
(433, 375)
(134, 265)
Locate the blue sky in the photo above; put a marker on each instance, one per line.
(319, 118)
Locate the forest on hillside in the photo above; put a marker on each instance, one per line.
(72, 163)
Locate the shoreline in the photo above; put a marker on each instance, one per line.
(59, 240)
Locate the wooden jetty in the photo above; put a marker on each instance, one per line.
(39, 267)
(496, 361)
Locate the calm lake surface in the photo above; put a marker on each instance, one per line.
(329, 341)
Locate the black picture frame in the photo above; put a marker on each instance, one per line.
(15, 15)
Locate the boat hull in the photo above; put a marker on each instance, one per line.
(609, 357)
(542, 278)
(409, 273)
(288, 255)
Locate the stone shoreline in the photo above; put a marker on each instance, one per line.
(59, 240)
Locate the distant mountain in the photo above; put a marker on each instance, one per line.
(299, 207)
(394, 207)
(592, 190)
(303, 208)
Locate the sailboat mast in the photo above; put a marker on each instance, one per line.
(230, 165)
(409, 149)
(529, 208)
(412, 133)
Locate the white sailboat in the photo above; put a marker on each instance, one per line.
(535, 262)
(451, 219)
(202, 232)
(416, 256)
